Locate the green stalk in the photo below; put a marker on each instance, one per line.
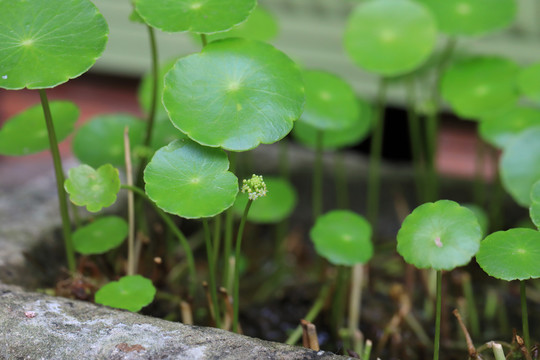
(211, 273)
(229, 224)
(479, 184)
(311, 315)
(367, 350)
(436, 342)
(524, 314)
(59, 173)
(236, 288)
(176, 231)
(318, 177)
(132, 259)
(284, 158)
(415, 137)
(498, 351)
(355, 305)
(471, 305)
(342, 193)
(338, 308)
(433, 122)
(217, 238)
(375, 157)
(204, 40)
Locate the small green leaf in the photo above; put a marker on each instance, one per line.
(511, 255)
(481, 216)
(277, 205)
(529, 82)
(519, 165)
(26, 133)
(441, 235)
(100, 236)
(471, 17)
(336, 139)
(330, 102)
(534, 210)
(190, 180)
(101, 140)
(480, 86)
(390, 37)
(261, 25)
(91, 188)
(342, 237)
(46, 43)
(200, 16)
(235, 94)
(500, 130)
(130, 293)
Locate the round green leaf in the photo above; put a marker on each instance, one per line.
(130, 293)
(260, 25)
(235, 94)
(534, 210)
(480, 86)
(519, 165)
(100, 236)
(46, 43)
(342, 237)
(101, 140)
(501, 129)
(335, 139)
(199, 16)
(471, 17)
(529, 82)
(190, 180)
(511, 255)
(330, 102)
(390, 37)
(164, 133)
(276, 206)
(91, 188)
(481, 216)
(26, 133)
(440, 235)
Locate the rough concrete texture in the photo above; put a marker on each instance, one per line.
(37, 326)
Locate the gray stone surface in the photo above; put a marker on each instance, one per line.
(37, 326)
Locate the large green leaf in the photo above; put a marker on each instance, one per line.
(200, 16)
(92, 188)
(277, 205)
(342, 237)
(520, 165)
(534, 210)
(330, 102)
(335, 139)
(46, 43)
(511, 255)
(190, 180)
(101, 139)
(480, 86)
(130, 293)
(501, 129)
(440, 235)
(100, 236)
(471, 17)
(235, 94)
(529, 82)
(390, 37)
(26, 133)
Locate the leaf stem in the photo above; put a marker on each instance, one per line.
(59, 173)
(236, 289)
(355, 306)
(131, 206)
(438, 306)
(229, 224)
(375, 157)
(176, 231)
(317, 177)
(155, 80)
(211, 272)
(415, 139)
(204, 40)
(524, 314)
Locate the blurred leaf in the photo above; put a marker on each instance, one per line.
(501, 130)
(534, 210)
(100, 236)
(130, 293)
(529, 82)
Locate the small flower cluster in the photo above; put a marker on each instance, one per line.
(255, 187)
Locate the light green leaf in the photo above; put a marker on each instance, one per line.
(46, 43)
(519, 165)
(100, 236)
(190, 180)
(91, 188)
(441, 235)
(534, 210)
(130, 293)
(342, 237)
(26, 133)
(390, 37)
(529, 82)
(200, 16)
(235, 94)
(511, 255)
(500, 130)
